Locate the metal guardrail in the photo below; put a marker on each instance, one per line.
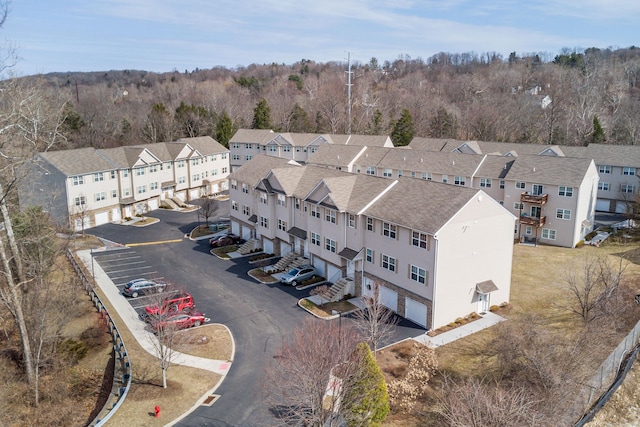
(122, 370)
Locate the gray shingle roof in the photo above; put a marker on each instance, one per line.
(610, 155)
(204, 144)
(260, 136)
(80, 161)
(550, 170)
(257, 168)
(334, 155)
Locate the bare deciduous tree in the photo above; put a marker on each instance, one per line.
(208, 208)
(375, 322)
(405, 392)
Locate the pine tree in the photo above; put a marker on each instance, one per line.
(597, 136)
(299, 120)
(224, 129)
(262, 115)
(403, 129)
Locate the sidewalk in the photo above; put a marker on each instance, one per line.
(137, 327)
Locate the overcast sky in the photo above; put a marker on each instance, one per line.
(163, 35)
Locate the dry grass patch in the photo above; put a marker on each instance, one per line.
(326, 310)
(210, 341)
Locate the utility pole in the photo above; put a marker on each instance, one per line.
(349, 73)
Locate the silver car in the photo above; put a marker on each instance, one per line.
(138, 287)
(299, 274)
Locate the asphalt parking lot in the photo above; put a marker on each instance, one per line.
(259, 316)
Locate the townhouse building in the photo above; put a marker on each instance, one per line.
(554, 197)
(436, 252)
(247, 143)
(87, 187)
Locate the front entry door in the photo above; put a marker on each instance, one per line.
(483, 303)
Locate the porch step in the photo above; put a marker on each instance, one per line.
(336, 291)
(170, 204)
(284, 262)
(248, 246)
(178, 202)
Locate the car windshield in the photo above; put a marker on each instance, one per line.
(293, 271)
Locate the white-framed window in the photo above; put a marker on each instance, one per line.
(604, 186)
(313, 149)
(419, 239)
(196, 177)
(371, 170)
(565, 191)
(223, 156)
(330, 215)
(195, 162)
(125, 173)
(167, 166)
(315, 211)
(517, 206)
(273, 148)
(282, 225)
(629, 171)
(521, 185)
(369, 255)
(114, 194)
(485, 182)
(263, 198)
(296, 203)
(537, 189)
(225, 169)
(370, 224)
(214, 157)
(141, 189)
(445, 179)
(80, 201)
(400, 173)
(214, 172)
(264, 222)
(282, 200)
(127, 192)
(248, 157)
(548, 234)
(626, 188)
(181, 163)
(153, 186)
(235, 145)
(604, 169)
(245, 188)
(352, 221)
(235, 157)
(528, 230)
(139, 171)
(501, 184)
(387, 173)
(426, 175)
(388, 262)
(315, 239)
(234, 184)
(98, 177)
(113, 174)
(460, 180)
(153, 168)
(330, 244)
(246, 210)
(413, 174)
(234, 205)
(78, 180)
(389, 230)
(182, 179)
(100, 196)
(418, 274)
(286, 149)
(563, 213)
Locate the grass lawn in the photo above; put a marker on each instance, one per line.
(326, 309)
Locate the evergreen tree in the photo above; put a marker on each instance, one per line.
(224, 129)
(597, 136)
(443, 124)
(299, 120)
(366, 401)
(403, 129)
(261, 115)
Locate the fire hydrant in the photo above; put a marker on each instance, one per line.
(157, 411)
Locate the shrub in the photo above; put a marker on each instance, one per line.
(494, 308)
(75, 350)
(580, 244)
(590, 235)
(459, 321)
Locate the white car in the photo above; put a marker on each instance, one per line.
(299, 274)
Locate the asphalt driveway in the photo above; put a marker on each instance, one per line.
(259, 316)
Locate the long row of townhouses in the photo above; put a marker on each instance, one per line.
(87, 187)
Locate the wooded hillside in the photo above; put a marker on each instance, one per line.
(577, 98)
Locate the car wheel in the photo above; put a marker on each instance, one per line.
(197, 323)
(160, 289)
(294, 283)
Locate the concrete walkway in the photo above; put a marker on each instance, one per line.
(488, 319)
(138, 327)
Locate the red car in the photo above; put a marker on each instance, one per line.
(178, 302)
(182, 321)
(224, 240)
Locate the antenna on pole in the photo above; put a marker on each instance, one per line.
(349, 73)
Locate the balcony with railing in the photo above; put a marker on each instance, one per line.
(538, 199)
(532, 220)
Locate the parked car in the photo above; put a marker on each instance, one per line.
(181, 321)
(224, 240)
(138, 287)
(172, 304)
(299, 274)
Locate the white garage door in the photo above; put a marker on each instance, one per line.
(235, 228)
(267, 246)
(246, 232)
(194, 194)
(621, 207)
(153, 204)
(319, 264)
(602, 205)
(285, 248)
(333, 273)
(389, 298)
(415, 311)
(102, 218)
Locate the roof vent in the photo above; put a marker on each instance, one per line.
(366, 154)
(534, 169)
(338, 156)
(453, 163)
(421, 159)
(404, 158)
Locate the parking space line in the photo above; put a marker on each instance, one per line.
(128, 269)
(159, 242)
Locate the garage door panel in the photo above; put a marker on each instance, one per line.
(416, 312)
(102, 218)
(388, 298)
